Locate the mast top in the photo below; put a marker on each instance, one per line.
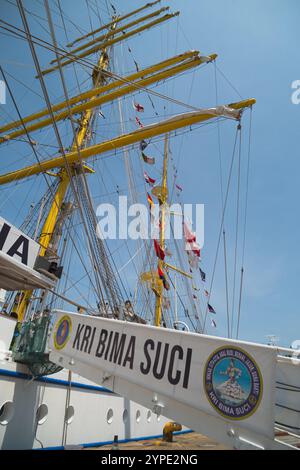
(115, 21)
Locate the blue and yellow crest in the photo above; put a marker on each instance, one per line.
(233, 383)
(62, 332)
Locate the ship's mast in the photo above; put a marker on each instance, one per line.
(86, 103)
(162, 193)
(163, 198)
(48, 229)
(99, 79)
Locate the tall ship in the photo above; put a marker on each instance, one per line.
(95, 232)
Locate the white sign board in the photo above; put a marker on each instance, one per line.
(17, 245)
(229, 379)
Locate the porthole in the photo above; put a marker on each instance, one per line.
(70, 411)
(138, 416)
(6, 413)
(42, 414)
(149, 416)
(125, 416)
(110, 416)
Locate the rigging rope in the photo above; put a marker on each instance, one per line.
(226, 285)
(237, 230)
(245, 225)
(108, 74)
(67, 166)
(104, 269)
(222, 223)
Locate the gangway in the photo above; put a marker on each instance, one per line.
(241, 394)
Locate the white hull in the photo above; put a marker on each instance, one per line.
(98, 414)
(93, 423)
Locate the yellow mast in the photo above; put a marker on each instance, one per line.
(94, 100)
(163, 198)
(98, 81)
(49, 225)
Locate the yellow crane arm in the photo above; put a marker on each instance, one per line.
(177, 122)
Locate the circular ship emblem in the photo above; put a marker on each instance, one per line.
(62, 332)
(233, 383)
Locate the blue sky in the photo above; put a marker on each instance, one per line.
(258, 47)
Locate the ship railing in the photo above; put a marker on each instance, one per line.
(30, 346)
